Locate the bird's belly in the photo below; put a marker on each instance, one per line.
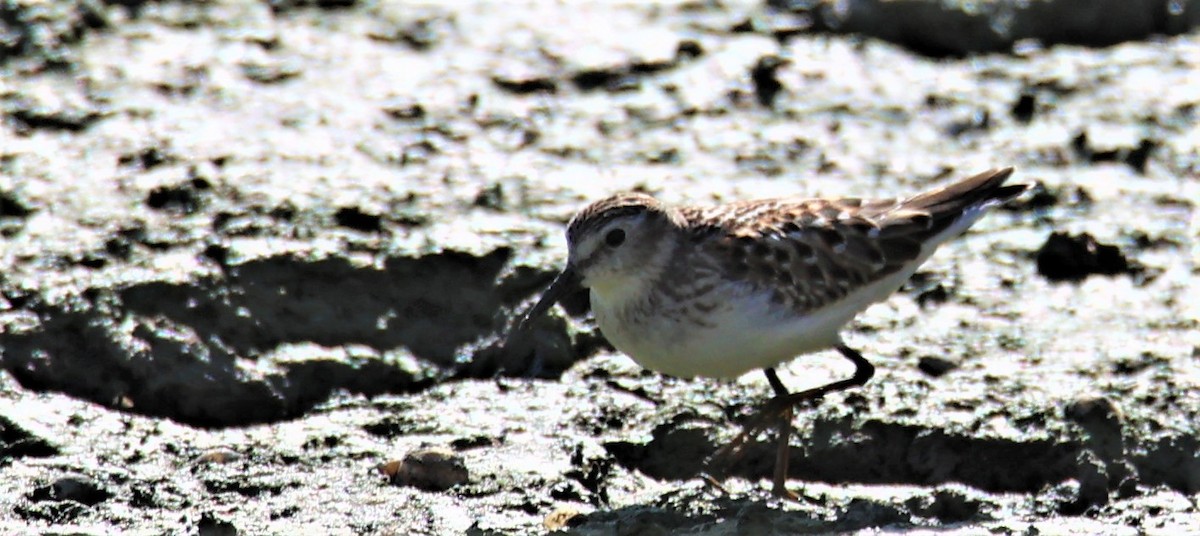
(728, 342)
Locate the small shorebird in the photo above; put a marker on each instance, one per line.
(723, 290)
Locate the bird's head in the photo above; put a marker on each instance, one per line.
(614, 243)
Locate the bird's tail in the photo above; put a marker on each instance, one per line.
(957, 206)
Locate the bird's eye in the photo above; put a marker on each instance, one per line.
(615, 238)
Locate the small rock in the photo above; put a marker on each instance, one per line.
(979, 120)
(272, 72)
(218, 455)
(688, 49)
(935, 294)
(147, 158)
(70, 119)
(211, 525)
(490, 197)
(614, 78)
(404, 110)
(563, 517)
(186, 197)
(77, 488)
(359, 220)
(766, 84)
(476, 441)
(1113, 144)
(431, 469)
(936, 366)
(12, 206)
(522, 80)
(1136, 158)
(1025, 106)
(420, 34)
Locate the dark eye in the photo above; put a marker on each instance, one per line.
(615, 238)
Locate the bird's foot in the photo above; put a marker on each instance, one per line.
(777, 414)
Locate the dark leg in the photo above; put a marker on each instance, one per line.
(779, 410)
(784, 428)
(863, 371)
(776, 385)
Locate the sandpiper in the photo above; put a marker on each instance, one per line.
(722, 290)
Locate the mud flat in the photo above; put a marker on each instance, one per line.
(257, 261)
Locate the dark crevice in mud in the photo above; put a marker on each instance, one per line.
(12, 207)
(68, 119)
(13, 212)
(1066, 257)
(355, 218)
(187, 197)
(1136, 156)
(284, 6)
(521, 78)
(881, 453)
(1174, 462)
(187, 350)
(431, 305)
(988, 26)
(673, 452)
(17, 442)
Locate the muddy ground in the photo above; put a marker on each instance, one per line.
(254, 254)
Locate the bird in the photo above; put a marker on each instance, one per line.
(719, 291)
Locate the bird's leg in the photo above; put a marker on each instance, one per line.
(779, 410)
(863, 371)
(782, 450)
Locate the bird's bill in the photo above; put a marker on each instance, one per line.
(566, 282)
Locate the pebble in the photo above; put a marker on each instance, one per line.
(431, 469)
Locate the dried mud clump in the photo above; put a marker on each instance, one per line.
(1072, 258)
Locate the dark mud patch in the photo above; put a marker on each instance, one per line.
(1172, 461)
(874, 452)
(188, 351)
(1066, 257)
(11, 206)
(673, 452)
(1133, 153)
(975, 27)
(183, 198)
(431, 305)
(17, 442)
(13, 213)
(33, 117)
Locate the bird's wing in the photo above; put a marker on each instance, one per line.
(812, 252)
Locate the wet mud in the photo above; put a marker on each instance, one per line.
(258, 262)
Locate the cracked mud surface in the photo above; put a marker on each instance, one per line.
(257, 261)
